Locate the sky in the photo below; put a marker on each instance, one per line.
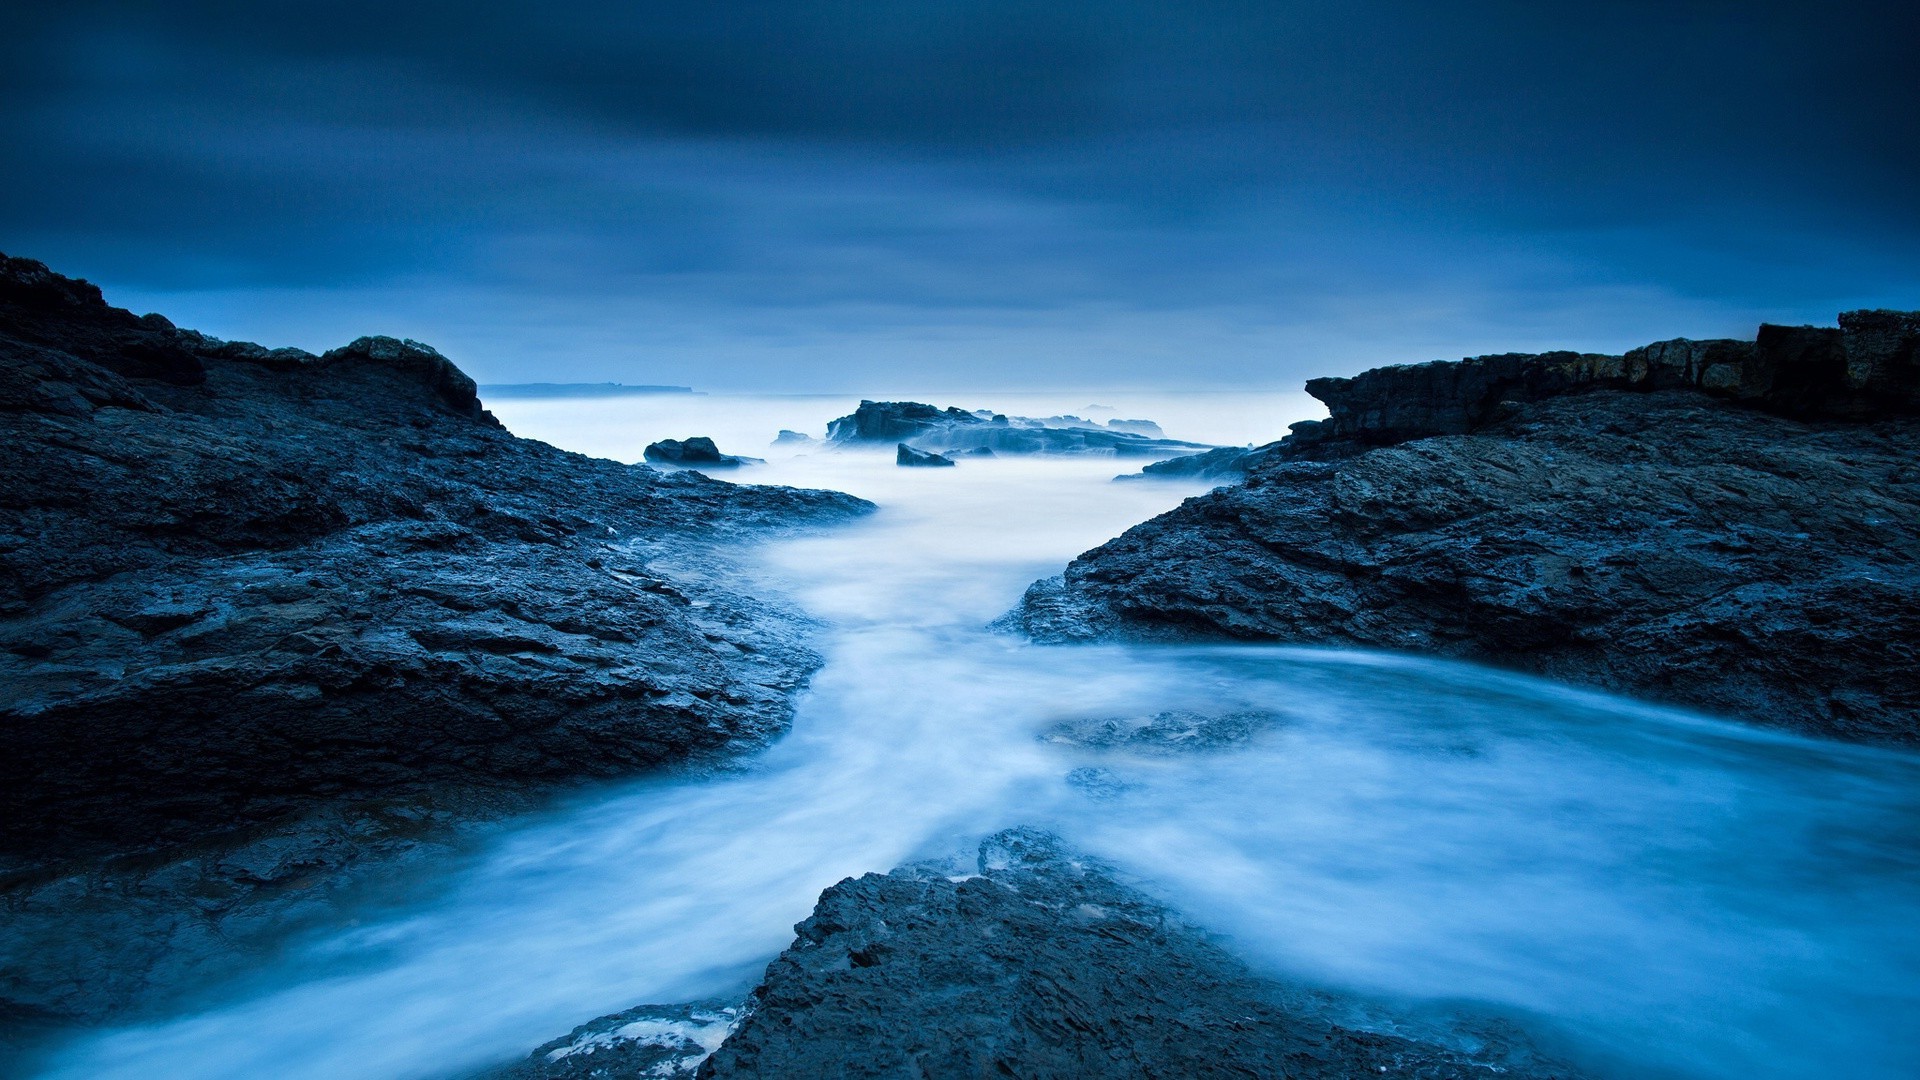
(873, 197)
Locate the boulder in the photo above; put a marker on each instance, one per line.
(698, 452)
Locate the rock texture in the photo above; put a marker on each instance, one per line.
(265, 615)
(907, 456)
(1726, 525)
(659, 1042)
(926, 428)
(1041, 965)
(698, 452)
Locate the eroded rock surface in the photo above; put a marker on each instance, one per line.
(1727, 525)
(1039, 964)
(266, 615)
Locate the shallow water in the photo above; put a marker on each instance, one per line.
(1668, 892)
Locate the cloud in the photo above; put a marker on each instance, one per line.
(816, 191)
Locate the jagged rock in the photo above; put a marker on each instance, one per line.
(895, 421)
(267, 618)
(1691, 545)
(956, 431)
(1865, 369)
(1039, 964)
(1225, 463)
(665, 1042)
(907, 455)
(788, 438)
(698, 452)
(1139, 427)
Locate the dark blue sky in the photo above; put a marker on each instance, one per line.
(874, 197)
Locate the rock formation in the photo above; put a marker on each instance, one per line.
(950, 430)
(698, 452)
(266, 616)
(1728, 525)
(1035, 962)
(908, 456)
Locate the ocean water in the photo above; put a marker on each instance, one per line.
(1656, 893)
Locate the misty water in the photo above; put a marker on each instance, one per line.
(1655, 892)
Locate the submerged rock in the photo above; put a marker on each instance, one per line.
(1039, 964)
(1727, 525)
(907, 455)
(267, 618)
(698, 452)
(950, 430)
(1175, 732)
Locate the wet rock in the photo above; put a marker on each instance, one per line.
(952, 430)
(698, 452)
(1175, 732)
(1039, 964)
(664, 1041)
(1746, 542)
(1225, 463)
(907, 455)
(268, 619)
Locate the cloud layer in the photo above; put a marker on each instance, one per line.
(842, 195)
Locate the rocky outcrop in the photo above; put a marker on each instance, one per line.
(1225, 463)
(950, 430)
(907, 456)
(658, 1042)
(1035, 962)
(1726, 525)
(266, 615)
(698, 452)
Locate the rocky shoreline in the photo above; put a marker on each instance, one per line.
(271, 619)
(1727, 525)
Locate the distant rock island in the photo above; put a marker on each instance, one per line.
(268, 618)
(575, 390)
(1730, 525)
(925, 428)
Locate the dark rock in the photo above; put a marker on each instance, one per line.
(698, 452)
(1691, 545)
(668, 1042)
(257, 601)
(1225, 463)
(957, 431)
(979, 451)
(907, 455)
(1865, 369)
(895, 421)
(1041, 965)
